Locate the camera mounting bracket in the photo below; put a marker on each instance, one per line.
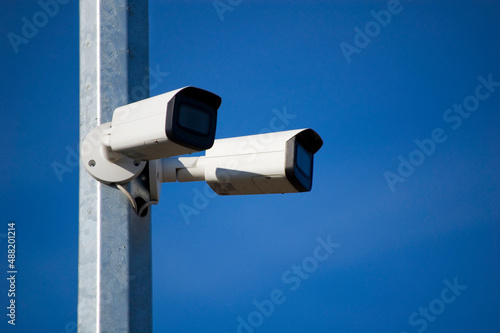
(105, 165)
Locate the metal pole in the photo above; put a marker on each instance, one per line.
(114, 269)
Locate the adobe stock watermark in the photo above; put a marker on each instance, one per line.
(363, 38)
(31, 27)
(12, 273)
(420, 320)
(71, 161)
(455, 117)
(292, 278)
(222, 6)
(203, 194)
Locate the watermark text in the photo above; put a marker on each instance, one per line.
(11, 272)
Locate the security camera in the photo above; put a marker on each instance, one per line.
(175, 123)
(179, 122)
(280, 162)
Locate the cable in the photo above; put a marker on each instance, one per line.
(129, 196)
(133, 202)
(146, 205)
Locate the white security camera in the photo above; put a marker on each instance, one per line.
(175, 123)
(280, 162)
(181, 122)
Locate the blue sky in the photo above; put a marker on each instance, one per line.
(406, 185)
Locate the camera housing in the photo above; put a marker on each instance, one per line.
(175, 123)
(179, 122)
(279, 162)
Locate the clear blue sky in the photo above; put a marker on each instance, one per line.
(406, 185)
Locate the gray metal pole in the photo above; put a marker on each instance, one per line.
(114, 269)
